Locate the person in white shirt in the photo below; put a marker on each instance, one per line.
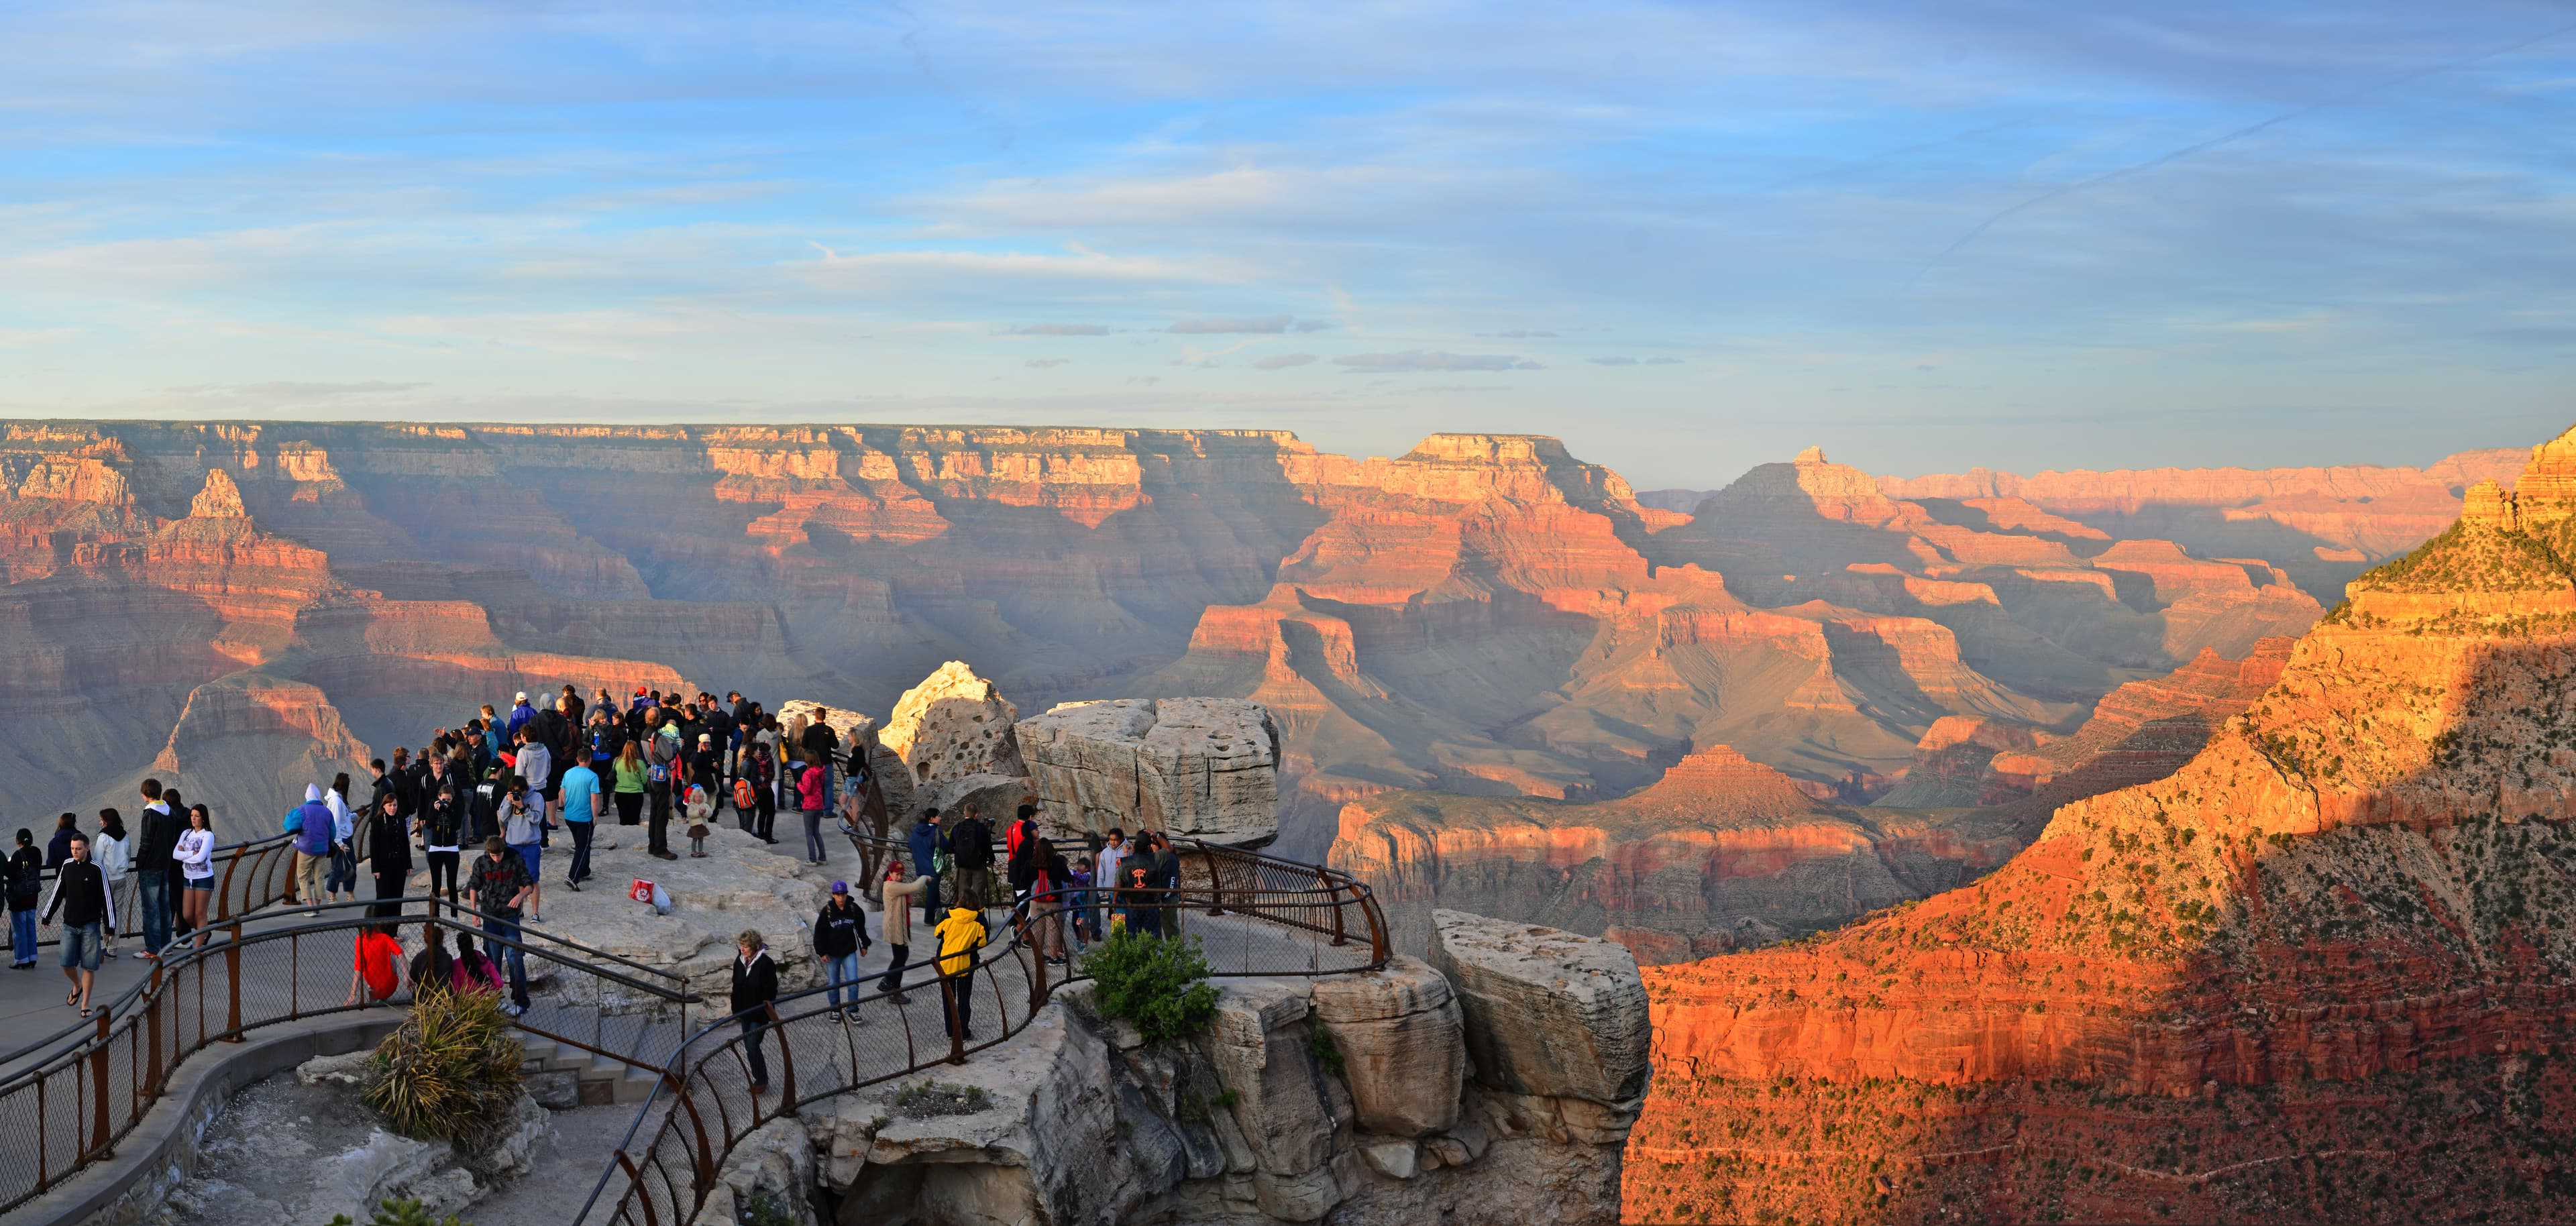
(196, 857)
(344, 841)
(113, 852)
(1107, 880)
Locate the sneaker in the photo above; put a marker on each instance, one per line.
(573, 886)
(142, 954)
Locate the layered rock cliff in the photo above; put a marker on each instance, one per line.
(2333, 945)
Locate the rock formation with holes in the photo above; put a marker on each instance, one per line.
(1205, 768)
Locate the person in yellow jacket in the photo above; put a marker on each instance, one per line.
(960, 935)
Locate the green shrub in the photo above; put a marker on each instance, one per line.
(399, 1213)
(451, 1072)
(1319, 1042)
(763, 1209)
(1160, 985)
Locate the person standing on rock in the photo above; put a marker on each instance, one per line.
(520, 714)
(754, 1000)
(536, 762)
(580, 807)
(627, 771)
(156, 886)
(840, 937)
(895, 924)
(522, 827)
(960, 936)
(89, 919)
(812, 789)
(819, 743)
(442, 838)
(760, 770)
(661, 766)
(389, 853)
(26, 881)
(500, 885)
(924, 841)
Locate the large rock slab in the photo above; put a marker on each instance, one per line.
(1399, 1035)
(740, 884)
(1548, 1012)
(952, 725)
(1203, 767)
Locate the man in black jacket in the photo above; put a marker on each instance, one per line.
(970, 848)
(154, 869)
(89, 919)
(755, 996)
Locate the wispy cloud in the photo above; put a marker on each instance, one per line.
(1045, 363)
(1263, 325)
(1433, 359)
(1057, 330)
(1282, 361)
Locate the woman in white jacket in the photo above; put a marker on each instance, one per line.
(196, 856)
(113, 852)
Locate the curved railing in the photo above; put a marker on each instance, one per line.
(70, 1108)
(249, 875)
(1251, 914)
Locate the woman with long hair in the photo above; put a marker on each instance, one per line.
(196, 856)
(627, 787)
(344, 839)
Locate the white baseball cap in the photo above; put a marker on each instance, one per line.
(523, 696)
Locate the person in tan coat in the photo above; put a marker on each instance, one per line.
(896, 924)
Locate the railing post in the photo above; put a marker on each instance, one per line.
(1325, 880)
(1038, 965)
(787, 1056)
(232, 985)
(224, 891)
(152, 1027)
(97, 1148)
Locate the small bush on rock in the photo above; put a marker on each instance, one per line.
(451, 1072)
(1160, 985)
(399, 1213)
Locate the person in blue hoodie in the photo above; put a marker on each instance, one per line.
(315, 836)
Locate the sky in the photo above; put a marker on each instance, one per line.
(1686, 238)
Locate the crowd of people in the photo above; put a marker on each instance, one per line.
(482, 802)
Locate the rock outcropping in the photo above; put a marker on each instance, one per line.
(1347, 1098)
(1207, 768)
(951, 726)
(2336, 939)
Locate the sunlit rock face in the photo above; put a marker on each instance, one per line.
(2200, 998)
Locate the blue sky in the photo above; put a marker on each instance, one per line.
(1686, 238)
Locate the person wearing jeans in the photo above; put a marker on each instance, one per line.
(840, 936)
(895, 922)
(500, 885)
(580, 798)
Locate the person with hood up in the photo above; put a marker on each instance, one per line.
(960, 936)
(314, 841)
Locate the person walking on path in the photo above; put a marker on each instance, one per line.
(628, 769)
(754, 1000)
(25, 870)
(895, 924)
(960, 936)
(156, 873)
(344, 838)
(500, 885)
(195, 856)
(811, 799)
(522, 827)
(314, 846)
(89, 918)
(580, 794)
(389, 852)
(924, 841)
(840, 937)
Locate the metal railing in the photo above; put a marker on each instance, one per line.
(248, 876)
(70, 1109)
(1251, 914)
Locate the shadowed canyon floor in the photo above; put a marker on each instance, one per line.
(2323, 972)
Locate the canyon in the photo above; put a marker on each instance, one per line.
(1485, 615)
(2322, 971)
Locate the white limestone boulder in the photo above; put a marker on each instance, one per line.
(1204, 768)
(1548, 1013)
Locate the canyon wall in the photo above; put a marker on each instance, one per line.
(1483, 615)
(2324, 970)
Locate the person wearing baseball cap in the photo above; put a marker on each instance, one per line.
(840, 937)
